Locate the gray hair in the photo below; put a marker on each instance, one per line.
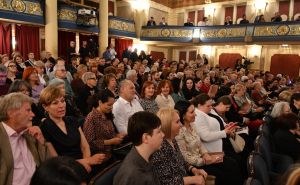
(82, 67)
(12, 101)
(56, 82)
(39, 63)
(3, 69)
(86, 76)
(124, 83)
(130, 73)
(278, 109)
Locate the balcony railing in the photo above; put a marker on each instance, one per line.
(249, 33)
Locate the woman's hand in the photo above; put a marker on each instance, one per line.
(198, 172)
(96, 159)
(36, 132)
(115, 141)
(209, 159)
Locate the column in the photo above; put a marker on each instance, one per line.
(103, 26)
(139, 21)
(234, 14)
(51, 28)
(170, 54)
(291, 11)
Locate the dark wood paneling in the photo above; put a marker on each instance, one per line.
(288, 64)
(182, 55)
(228, 59)
(192, 55)
(284, 7)
(240, 11)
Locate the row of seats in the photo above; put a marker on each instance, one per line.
(264, 165)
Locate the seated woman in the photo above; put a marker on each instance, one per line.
(110, 83)
(188, 89)
(287, 137)
(89, 89)
(147, 99)
(279, 109)
(196, 154)
(168, 163)
(295, 103)
(31, 76)
(98, 126)
(164, 91)
(63, 134)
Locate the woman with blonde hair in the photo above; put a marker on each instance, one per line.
(168, 163)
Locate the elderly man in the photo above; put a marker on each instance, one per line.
(132, 76)
(22, 147)
(61, 73)
(125, 106)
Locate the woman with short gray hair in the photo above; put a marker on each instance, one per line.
(89, 89)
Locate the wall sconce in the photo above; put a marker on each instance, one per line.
(254, 51)
(210, 10)
(207, 50)
(140, 4)
(260, 5)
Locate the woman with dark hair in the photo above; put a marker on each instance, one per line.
(287, 137)
(295, 103)
(188, 89)
(20, 65)
(110, 83)
(147, 99)
(98, 126)
(58, 171)
(25, 88)
(195, 153)
(176, 95)
(11, 72)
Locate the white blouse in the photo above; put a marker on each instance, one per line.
(164, 102)
(208, 129)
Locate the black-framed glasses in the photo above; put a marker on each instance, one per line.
(92, 78)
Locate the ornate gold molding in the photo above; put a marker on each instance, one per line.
(21, 6)
(165, 32)
(121, 25)
(67, 14)
(277, 30)
(223, 33)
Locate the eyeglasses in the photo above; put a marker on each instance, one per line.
(62, 70)
(92, 78)
(12, 66)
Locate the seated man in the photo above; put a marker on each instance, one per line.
(22, 147)
(144, 130)
(125, 106)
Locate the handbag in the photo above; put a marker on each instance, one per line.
(238, 143)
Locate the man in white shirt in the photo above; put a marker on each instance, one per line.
(125, 106)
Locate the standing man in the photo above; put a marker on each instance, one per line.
(84, 50)
(30, 61)
(71, 51)
(22, 147)
(144, 130)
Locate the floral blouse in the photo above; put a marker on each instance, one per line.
(191, 146)
(149, 105)
(169, 165)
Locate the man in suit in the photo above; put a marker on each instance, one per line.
(244, 20)
(188, 22)
(22, 147)
(151, 22)
(30, 61)
(276, 18)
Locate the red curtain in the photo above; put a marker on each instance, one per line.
(228, 60)
(284, 7)
(182, 55)
(192, 15)
(201, 14)
(28, 40)
(5, 39)
(291, 67)
(157, 55)
(64, 39)
(228, 12)
(121, 45)
(192, 55)
(241, 10)
(87, 38)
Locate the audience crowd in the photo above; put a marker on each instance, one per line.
(177, 119)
